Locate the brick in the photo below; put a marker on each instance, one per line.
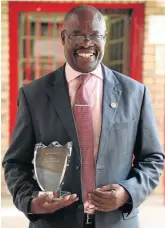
(149, 58)
(148, 66)
(149, 50)
(148, 81)
(160, 80)
(5, 85)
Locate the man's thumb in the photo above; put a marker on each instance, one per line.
(108, 187)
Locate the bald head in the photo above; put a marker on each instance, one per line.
(79, 12)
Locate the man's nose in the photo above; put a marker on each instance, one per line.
(87, 42)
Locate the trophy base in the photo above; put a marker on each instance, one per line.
(62, 194)
(54, 195)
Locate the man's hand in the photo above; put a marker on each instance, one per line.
(46, 204)
(108, 198)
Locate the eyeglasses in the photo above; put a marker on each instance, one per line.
(81, 38)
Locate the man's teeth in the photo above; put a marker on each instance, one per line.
(85, 55)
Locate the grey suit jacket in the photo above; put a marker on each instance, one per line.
(45, 115)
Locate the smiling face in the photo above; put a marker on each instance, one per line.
(84, 55)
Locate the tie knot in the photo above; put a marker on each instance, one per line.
(84, 78)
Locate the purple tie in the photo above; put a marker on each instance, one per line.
(84, 125)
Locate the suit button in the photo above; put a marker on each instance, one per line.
(77, 167)
(80, 207)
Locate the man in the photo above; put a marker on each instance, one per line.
(109, 119)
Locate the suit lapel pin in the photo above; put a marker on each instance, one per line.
(113, 105)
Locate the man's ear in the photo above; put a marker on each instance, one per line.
(63, 37)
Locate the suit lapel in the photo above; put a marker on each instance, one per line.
(111, 97)
(58, 92)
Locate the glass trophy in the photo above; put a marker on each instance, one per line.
(50, 165)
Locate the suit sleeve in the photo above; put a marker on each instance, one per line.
(17, 163)
(148, 157)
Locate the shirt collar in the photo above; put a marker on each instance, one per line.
(71, 74)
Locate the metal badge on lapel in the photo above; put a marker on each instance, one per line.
(113, 105)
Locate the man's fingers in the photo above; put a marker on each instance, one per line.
(102, 194)
(97, 204)
(67, 200)
(69, 197)
(103, 209)
(97, 199)
(63, 202)
(109, 187)
(101, 206)
(45, 203)
(104, 200)
(71, 200)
